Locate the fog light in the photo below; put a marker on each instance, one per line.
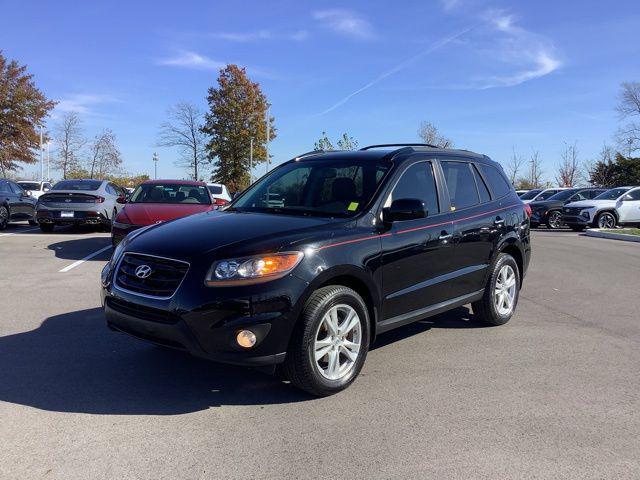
(246, 338)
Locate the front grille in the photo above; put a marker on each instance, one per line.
(140, 311)
(163, 281)
(573, 210)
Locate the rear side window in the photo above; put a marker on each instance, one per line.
(4, 187)
(17, 189)
(417, 182)
(499, 185)
(482, 187)
(461, 185)
(634, 195)
(215, 189)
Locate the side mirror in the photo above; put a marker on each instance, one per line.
(404, 209)
(121, 199)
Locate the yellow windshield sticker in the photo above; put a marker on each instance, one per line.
(353, 206)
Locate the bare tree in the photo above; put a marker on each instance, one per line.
(535, 173)
(429, 134)
(183, 130)
(628, 135)
(70, 139)
(105, 158)
(569, 169)
(514, 165)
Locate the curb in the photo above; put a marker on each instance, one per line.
(613, 236)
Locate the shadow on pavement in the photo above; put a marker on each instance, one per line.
(80, 248)
(73, 363)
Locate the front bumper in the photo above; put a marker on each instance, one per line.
(537, 218)
(204, 321)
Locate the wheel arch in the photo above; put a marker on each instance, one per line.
(510, 246)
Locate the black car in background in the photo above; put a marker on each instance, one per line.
(549, 211)
(358, 243)
(15, 204)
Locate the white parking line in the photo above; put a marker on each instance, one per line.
(19, 232)
(88, 257)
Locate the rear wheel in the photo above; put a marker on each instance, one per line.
(47, 227)
(607, 220)
(4, 217)
(501, 292)
(554, 220)
(330, 343)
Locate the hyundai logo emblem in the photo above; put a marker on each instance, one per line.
(143, 271)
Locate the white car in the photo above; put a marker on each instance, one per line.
(617, 206)
(539, 194)
(219, 193)
(36, 188)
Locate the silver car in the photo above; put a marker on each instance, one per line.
(80, 202)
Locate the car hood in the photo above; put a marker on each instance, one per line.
(146, 213)
(592, 203)
(227, 233)
(547, 204)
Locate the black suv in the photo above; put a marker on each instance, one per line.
(360, 243)
(15, 203)
(549, 211)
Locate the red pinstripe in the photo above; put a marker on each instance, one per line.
(424, 227)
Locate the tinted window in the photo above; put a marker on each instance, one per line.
(16, 188)
(482, 187)
(612, 194)
(417, 182)
(563, 195)
(530, 194)
(462, 187)
(85, 185)
(548, 194)
(4, 187)
(635, 195)
(30, 185)
(499, 185)
(215, 189)
(170, 193)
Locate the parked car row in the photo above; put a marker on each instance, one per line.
(579, 208)
(103, 203)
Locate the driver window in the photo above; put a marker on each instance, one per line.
(417, 182)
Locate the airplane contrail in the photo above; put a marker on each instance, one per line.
(439, 44)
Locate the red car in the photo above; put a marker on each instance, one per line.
(156, 201)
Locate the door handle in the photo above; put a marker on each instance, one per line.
(445, 237)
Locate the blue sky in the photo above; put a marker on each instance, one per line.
(491, 75)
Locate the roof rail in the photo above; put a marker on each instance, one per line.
(308, 154)
(383, 145)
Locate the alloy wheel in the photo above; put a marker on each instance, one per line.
(606, 220)
(505, 290)
(337, 342)
(4, 217)
(555, 220)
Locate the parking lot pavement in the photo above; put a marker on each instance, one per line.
(553, 394)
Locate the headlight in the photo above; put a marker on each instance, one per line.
(250, 270)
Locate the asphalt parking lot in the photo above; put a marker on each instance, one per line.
(553, 394)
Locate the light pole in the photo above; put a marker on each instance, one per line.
(155, 165)
(41, 157)
(266, 146)
(48, 162)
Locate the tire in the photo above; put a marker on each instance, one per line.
(486, 309)
(606, 220)
(312, 334)
(47, 227)
(4, 217)
(578, 228)
(554, 220)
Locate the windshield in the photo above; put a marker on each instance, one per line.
(547, 194)
(612, 194)
(215, 189)
(29, 185)
(563, 195)
(85, 185)
(170, 193)
(340, 188)
(530, 194)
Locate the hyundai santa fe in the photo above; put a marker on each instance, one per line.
(358, 243)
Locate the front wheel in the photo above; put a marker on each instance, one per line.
(501, 292)
(4, 217)
(330, 343)
(606, 220)
(554, 220)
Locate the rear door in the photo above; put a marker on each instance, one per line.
(416, 254)
(21, 203)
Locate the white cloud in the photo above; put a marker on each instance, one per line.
(345, 22)
(259, 35)
(83, 103)
(193, 60)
